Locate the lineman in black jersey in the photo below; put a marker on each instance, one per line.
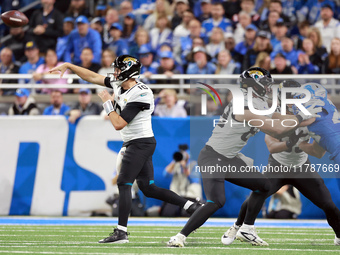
(223, 150)
(286, 152)
(129, 109)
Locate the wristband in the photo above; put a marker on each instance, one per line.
(289, 144)
(108, 107)
(299, 118)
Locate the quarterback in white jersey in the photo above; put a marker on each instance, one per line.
(222, 151)
(129, 110)
(298, 173)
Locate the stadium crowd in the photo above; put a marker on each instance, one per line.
(173, 37)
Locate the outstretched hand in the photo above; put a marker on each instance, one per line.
(62, 69)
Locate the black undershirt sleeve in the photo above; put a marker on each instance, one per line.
(132, 109)
(107, 82)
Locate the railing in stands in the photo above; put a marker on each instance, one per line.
(330, 82)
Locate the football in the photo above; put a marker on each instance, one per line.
(14, 18)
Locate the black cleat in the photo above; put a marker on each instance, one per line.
(194, 207)
(118, 236)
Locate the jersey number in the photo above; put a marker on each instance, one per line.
(142, 87)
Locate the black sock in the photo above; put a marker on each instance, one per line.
(242, 213)
(199, 217)
(125, 201)
(255, 203)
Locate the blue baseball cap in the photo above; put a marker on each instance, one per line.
(252, 27)
(87, 91)
(116, 26)
(69, 19)
(328, 4)
(166, 54)
(82, 19)
(101, 7)
(280, 22)
(144, 49)
(130, 15)
(22, 93)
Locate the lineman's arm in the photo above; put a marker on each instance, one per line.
(83, 73)
(313, 149)
(274, 145)
(271, 126)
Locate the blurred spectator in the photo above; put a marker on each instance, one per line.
(201, 65)
(141, 38)
(310, 11)
(276, 5)
(263, 60)
(216, 43)
(270, 23)
(287, 50)
(161, 33)
(168, 67)
(229, 43)
(51, 61)
(180, 7)
(334, 57)
(33, 61)
(111, 17)
(328, 26)
(17, 43)
(231, 8)
(24, 104)
(129, 27)
(119, 46)
(248, 42)
(285, 204)
(101, 9)
(162, 8)
(304, 65)
(182, 29)
(315, 36)
(225, 64)
(319, 65)
(108, 56)
(185, 47)
(303, 33)
(249, 7)
(279, 33)
(281, 65)
(7, 67)
(57, 106)
(97, 24)
(87, 58)
(189, 58)
(62, 41)
(78, 8)
(217, 20)
(81, 38)
(84, 106)
(149, 67)
(262, 43)
(205, 8)
(171, 107)
(126, 8)
(244, 22)
(46, 25)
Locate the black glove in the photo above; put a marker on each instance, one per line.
(294, 138)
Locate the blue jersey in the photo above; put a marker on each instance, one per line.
(326, 130)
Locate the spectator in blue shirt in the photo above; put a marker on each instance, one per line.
(130, 27)
(83, 37)
(204, 10)
(217, 20)
(168, 67)
(249, 40)
(149, 67)
(281, 30)
(62, 41)
(201, 64)
(33, 61)
(141, 38)
(286, 48)
(57, 106)
(119, 46)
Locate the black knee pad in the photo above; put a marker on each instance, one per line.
(219, 201)
(147, 189)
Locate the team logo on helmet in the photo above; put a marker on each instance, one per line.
(129, 61)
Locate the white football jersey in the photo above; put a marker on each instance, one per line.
(228, 139)
(140, 126)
